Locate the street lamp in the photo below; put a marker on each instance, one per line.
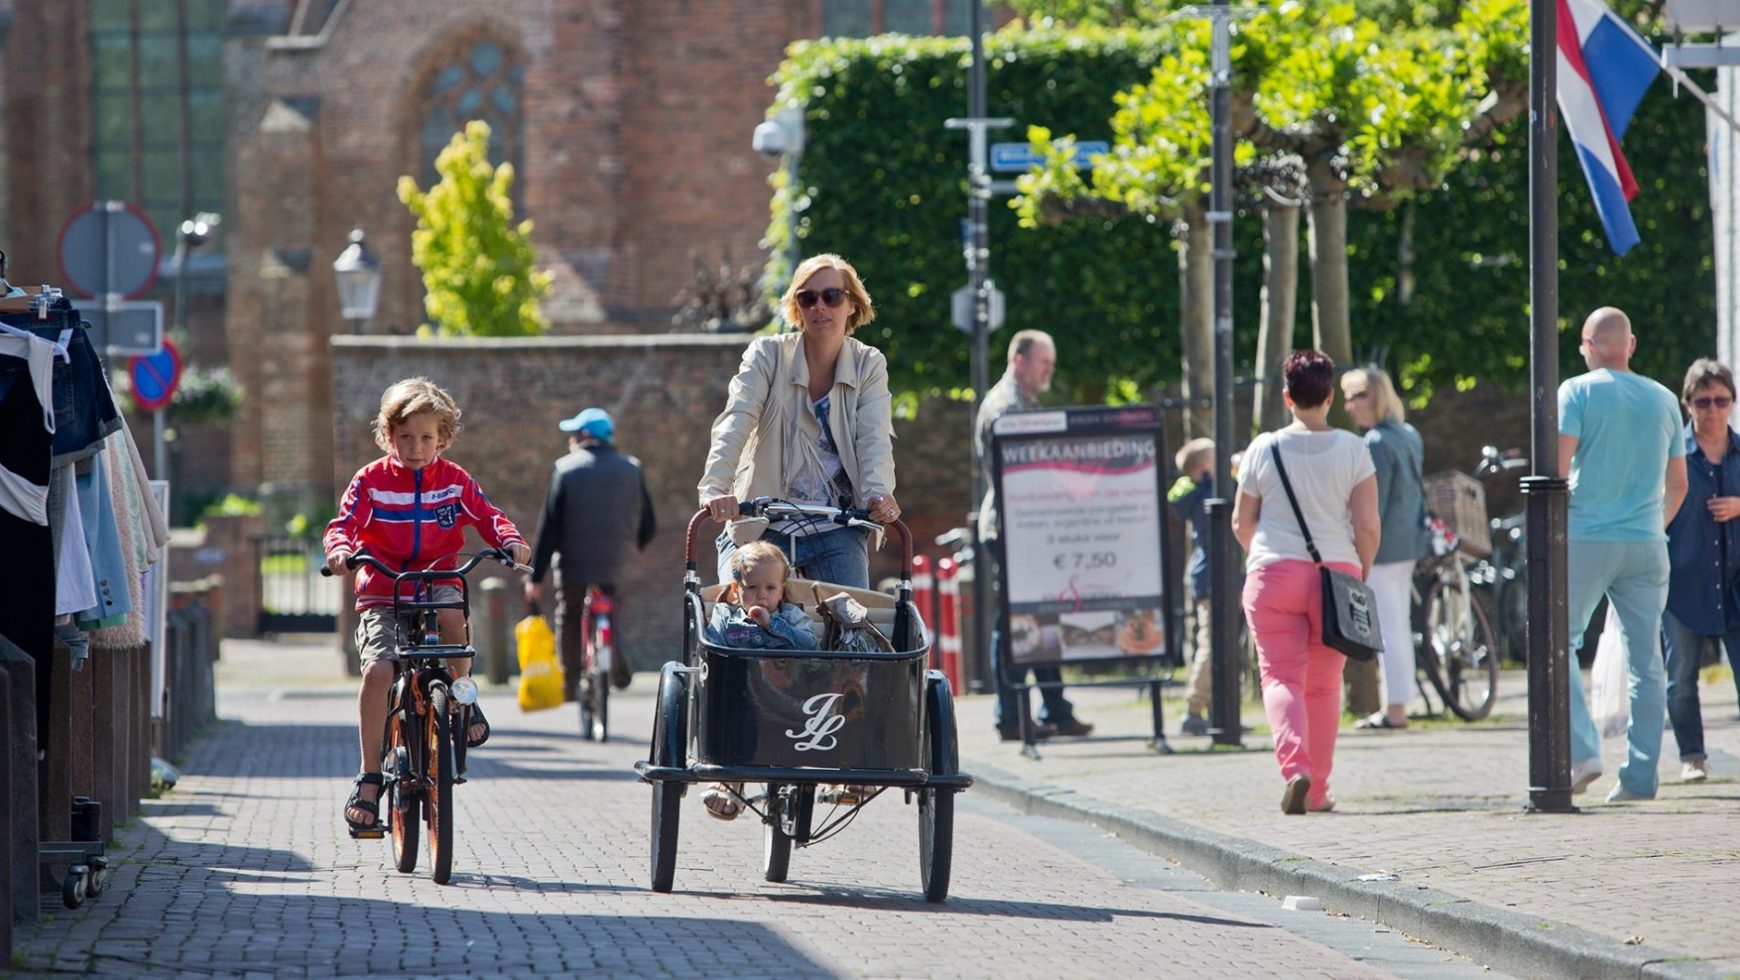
(358, 273)
(193, 233)
(783, 135)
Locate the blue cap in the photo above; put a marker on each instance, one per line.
(594, 422)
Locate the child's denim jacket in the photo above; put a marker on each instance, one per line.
(789, 628)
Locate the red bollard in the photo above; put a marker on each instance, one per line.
(924, 594)
(948, 620)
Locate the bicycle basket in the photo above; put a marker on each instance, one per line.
(1460, 501)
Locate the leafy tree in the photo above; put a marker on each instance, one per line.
(478, 266)
(1337, 105)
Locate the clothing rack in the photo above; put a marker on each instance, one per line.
(82, 527)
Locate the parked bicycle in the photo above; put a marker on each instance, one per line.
(598, 652)
(1457, 588)
(422, 761)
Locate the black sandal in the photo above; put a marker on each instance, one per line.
(473, 721)
(356, 802)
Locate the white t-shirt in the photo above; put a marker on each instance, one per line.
(1324, 468)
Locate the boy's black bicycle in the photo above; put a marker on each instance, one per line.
(423, 760)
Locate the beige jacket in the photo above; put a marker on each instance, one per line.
(758, 438)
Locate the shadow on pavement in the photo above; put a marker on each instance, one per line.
(892, 900)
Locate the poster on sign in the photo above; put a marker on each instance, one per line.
(1083, 529)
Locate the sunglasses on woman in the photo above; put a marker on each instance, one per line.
(832, 296)
(1712, 401)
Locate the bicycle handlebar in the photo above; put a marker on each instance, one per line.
(772, 507)
(364, 558)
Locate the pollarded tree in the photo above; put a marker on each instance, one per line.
(479, 268)
(1359, 110)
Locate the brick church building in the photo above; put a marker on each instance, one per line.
(628, 122)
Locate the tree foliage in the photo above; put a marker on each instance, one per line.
(883, 183)
(479, 267)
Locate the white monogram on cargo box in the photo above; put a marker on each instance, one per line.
(818, 731)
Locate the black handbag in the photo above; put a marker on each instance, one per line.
(1350, 617)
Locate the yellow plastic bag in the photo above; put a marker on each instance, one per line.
(540, 671)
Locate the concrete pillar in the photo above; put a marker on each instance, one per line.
(489, 628)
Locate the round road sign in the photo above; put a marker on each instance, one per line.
(155, 377)
(109, 247)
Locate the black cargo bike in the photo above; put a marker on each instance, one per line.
(799, 721)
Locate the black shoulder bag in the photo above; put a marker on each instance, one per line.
(1350, 624)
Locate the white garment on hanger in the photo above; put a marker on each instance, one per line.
(18, 495)
(75, 587)
(39, 354)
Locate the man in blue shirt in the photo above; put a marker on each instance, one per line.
(1620, 445)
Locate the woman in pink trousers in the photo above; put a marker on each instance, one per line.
(1336, 485)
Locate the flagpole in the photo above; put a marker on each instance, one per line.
(1547, 491)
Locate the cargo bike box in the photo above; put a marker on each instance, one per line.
(798, 721)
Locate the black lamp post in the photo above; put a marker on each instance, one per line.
(358, 274)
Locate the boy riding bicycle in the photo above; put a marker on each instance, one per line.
(409, 509)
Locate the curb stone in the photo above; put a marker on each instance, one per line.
(1515, 942)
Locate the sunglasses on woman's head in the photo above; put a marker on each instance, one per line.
(833, 296)
(1712, 401)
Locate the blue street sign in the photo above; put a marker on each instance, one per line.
(1019, 157)
(155, 377)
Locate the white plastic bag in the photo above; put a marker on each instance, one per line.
(1609, 694)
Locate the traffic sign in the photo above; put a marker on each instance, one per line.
(130, 328)
(155, 377)
(109, 247)
(961, 307)
(1019, 157)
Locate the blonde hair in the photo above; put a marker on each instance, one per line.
(414, 396)
(1376, 384)
(863, 311)
(748, 558)
(1191, 454)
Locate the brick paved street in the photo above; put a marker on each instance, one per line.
(244, 867)
(1440, 807)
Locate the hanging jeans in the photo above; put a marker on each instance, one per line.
(84, 407)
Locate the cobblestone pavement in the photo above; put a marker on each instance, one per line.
(1439, 805)
(244, 868)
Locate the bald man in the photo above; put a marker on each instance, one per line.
(1620, 445)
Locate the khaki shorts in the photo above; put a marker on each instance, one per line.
(378, 637)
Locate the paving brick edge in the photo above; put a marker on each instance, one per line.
(1515, 942)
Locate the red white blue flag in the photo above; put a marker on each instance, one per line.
(1604, 69)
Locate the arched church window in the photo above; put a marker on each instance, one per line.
(483, 80)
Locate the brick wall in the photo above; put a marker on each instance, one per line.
(664, 392)
(46, 120)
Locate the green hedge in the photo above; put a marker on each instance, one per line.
(884, 184)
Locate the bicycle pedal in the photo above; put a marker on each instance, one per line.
(367, 834)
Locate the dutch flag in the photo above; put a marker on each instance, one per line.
(1604, 69)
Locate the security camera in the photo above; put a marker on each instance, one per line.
(769, 139)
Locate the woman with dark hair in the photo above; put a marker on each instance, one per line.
(1703, 556)
(1333, 479)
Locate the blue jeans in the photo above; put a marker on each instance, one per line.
(1684, 649)
(1634, 577)
(840, 556)
(84, 407)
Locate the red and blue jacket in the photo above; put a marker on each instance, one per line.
(412, 520)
